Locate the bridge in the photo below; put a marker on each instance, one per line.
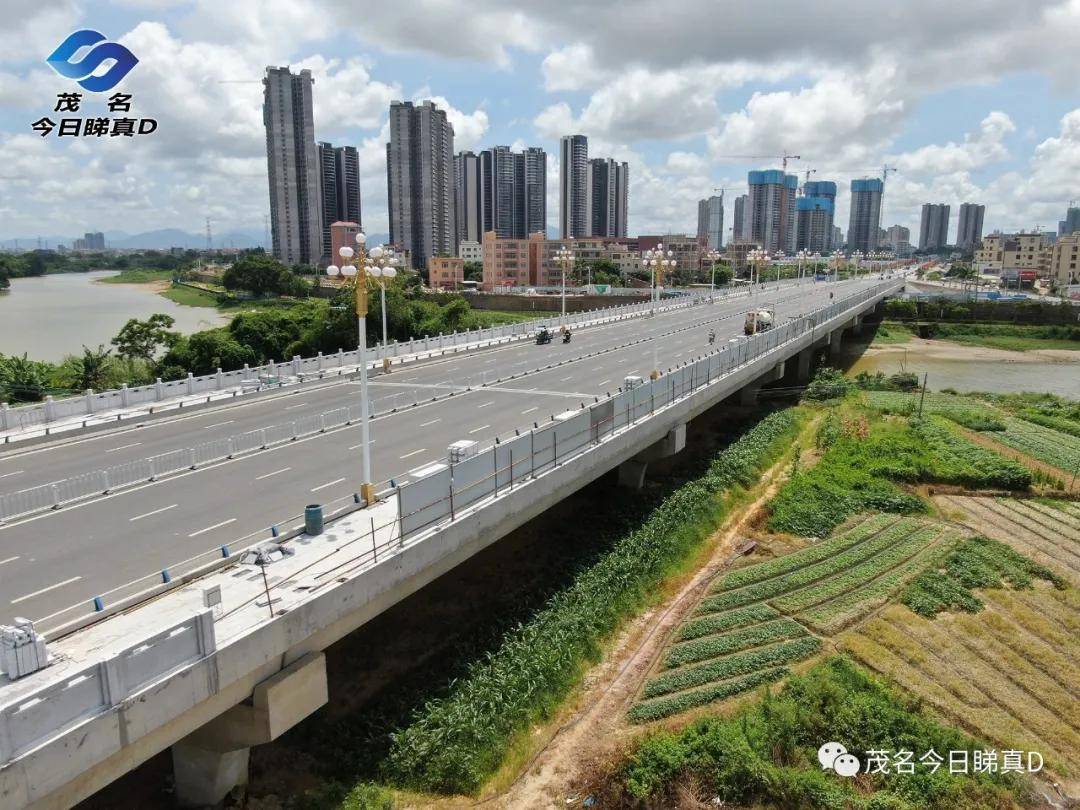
(162, 633)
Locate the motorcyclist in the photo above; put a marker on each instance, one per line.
(566, 336)
(712, 336)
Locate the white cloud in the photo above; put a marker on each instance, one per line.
(976, 151)
(572, 68)
(469, 128)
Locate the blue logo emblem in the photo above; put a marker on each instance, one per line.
(60, 60)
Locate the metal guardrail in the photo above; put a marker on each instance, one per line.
(447, 490)
(91, 403)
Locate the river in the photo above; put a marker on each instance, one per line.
(50, 316)
(973, 368)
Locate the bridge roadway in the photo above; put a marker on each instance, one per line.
(51, 561)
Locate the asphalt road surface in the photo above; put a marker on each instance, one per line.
(51, 561)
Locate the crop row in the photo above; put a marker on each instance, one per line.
(770, 588)
(456, 741)
(1058, 423)
(728, 667)
(837, 614)
(897, 402)
(722, 622)
(857, 575)
(684, 701)
(958, 461)
(690, 652)
(1053, 447)
(811, 554)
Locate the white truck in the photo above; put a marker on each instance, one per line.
(758, 320)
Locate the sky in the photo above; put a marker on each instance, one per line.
(969, 101)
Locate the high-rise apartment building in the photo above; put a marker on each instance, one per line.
(93, 241)
(339, 183)
(814, 217)
(740, 230)
(293, 167)
(969, 228)
(772, 209)
(468, 197)
(865, 218)
(823, 190)
(607, 191)
(934, 226)
(837, 237)
(1071, 223)
(710, 222)
(573, 186)
(531, 193)
(420, 181)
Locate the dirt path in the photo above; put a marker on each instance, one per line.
(598, 727)
(987, 441)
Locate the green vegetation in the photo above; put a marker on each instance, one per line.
(1061, 450)
(1070, 426)
(975, 563)
(262, 275)
(684, 701)
(139, 275)
(193, 297)
(457, 741)
(865, 459)
(40, 262)
(720, 622)
(890, 333)
(766, 755)
(701, 649)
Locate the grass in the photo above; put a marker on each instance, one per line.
(191, 297)
(1008, 336)
(892, 333)
(138, 276)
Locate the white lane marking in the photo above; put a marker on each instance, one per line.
(328, 484)
(421, 466)
(45, 590)
(603, 382)
(211, 528)
(432, 422)
(413, 453)
(9, 559)
(155, 512)
(486, 404)
(218, 424)
(8, 475)
(297, 405)
(530, 410)
(598, 368)
(477, 430)
(124, 447)
(275, 472)
(492, 360)
(358, 446)
(564, 379)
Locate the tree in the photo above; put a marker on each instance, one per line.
(5, 273)
(90, 371)
(605, 271)
(723, 274)
(474, 271)
(21, 380)
(142, 339)
(35, 264)
(261, 275)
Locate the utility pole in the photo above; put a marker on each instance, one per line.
(922, 395)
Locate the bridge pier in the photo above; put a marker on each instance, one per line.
(210, 762)
(835, 338)
(748, 393)
(632, 471)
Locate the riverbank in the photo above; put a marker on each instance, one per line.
(1009, 336)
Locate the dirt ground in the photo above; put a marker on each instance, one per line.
(944, 350)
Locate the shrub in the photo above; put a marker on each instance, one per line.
(828, 383)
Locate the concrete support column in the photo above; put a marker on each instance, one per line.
(632, 474)
(834, 342)
(856, 325)
(203, 777)
(802, 365)
(748, 394)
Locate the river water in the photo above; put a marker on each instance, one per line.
(999, 374)
(51, 316)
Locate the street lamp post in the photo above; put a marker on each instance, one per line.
(757, 257)
(358, 267)
(713, 256)
(382, 265)
(659, 263)
(565, 258)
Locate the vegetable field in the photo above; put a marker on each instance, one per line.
(758, 620)
(1053, 447)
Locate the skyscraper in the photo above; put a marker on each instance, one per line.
(339, 170)
(772, 209)
(710, 222)
(420, 181)
(1071, 223)
(607, 196)
(814, 226)
(970, 226)
(865, 219)
(292, 166)
(934, 226)
(823, 190)
(739, 229)
(573, 186)
(532, 190)
(468, 198)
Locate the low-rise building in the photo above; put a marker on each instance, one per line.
(506, 262)
(446, 272)
(470, 251)
(1064, 267)
(1007, 255)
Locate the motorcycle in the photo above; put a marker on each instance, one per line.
(712, 338)
(566, 337)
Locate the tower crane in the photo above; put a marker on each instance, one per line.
(782, 158)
